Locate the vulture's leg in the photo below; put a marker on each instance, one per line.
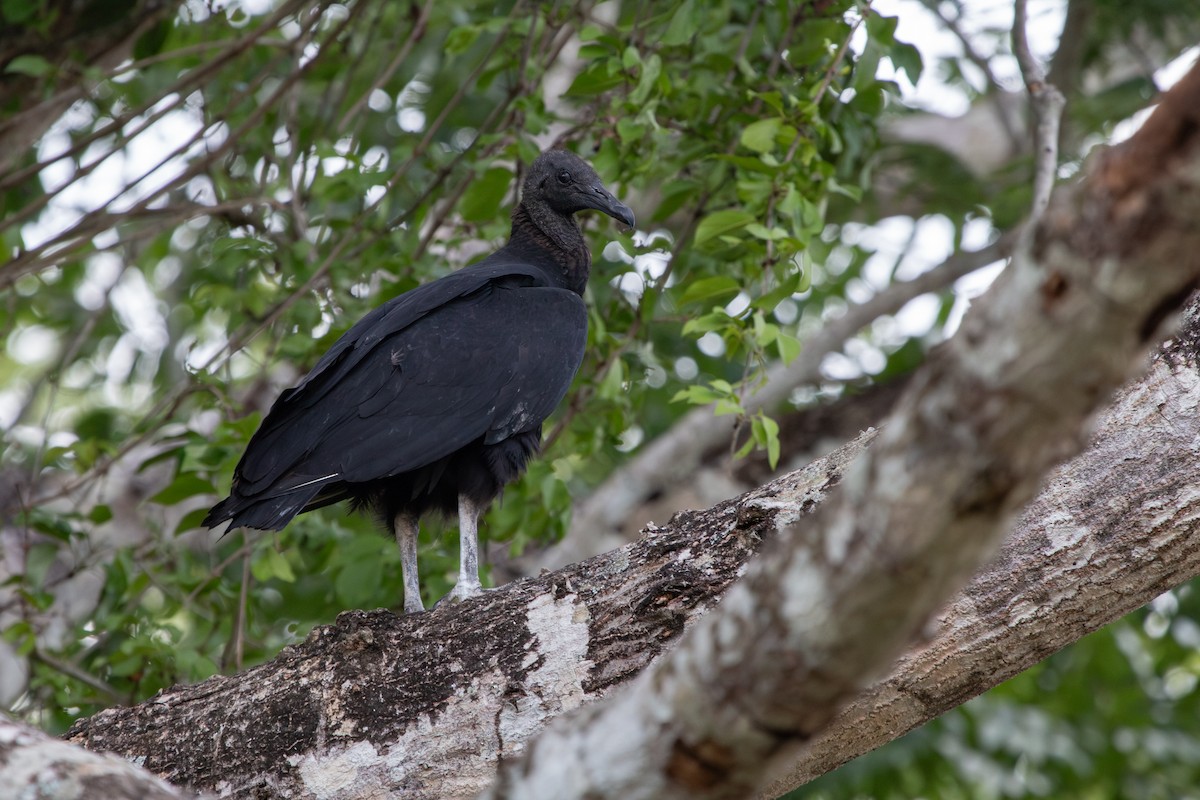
(405, 527)
(468, 554)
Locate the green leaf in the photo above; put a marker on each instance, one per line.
(151, 42)
(907, 59)
(357, 581)
(696, 395)
(184, 486)
(28, 64)
(279, 566)
(651, 69)
(786, 288)
(461, 38)
(705, 288)
(765, 332)
(630, 131)
(100, 514)
(38, 558)
(18, 11)
(597, 78)
(709, 322)
(745, 449)
(725, 407)
(722, 222)
(683, 25)
(760, 136)
(613, 385)
(482, 200)
(804, 271)
(191, 520)
(788, 346)
(771, 433)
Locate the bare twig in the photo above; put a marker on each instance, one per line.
(235, 647)
(215, 572)
(417, 32)
(953, 25)
(181, 88)
(1047, 103)
(81, 675)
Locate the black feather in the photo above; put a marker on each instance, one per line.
(442, 391)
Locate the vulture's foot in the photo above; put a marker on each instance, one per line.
(461, 592)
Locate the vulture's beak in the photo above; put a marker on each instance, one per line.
(601, 199)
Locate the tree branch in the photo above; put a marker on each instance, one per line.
(348, 712)
(1048, 105)
(35, 766)
(1065, 570)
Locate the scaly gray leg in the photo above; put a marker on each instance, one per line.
(406, 528)
(468, 553)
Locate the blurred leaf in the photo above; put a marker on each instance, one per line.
(184, 486)
(708, 288)
(33, 65)
(483, 198)
(759, 136)
(721, 222)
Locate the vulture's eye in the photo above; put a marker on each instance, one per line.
(564, 177)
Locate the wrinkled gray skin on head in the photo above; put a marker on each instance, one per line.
(567, 183)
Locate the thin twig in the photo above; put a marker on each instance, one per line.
(974, 56)
(1047, 103)
(235, 647)
(417, 32)
(833, 67)
(180, 89)
(216, 571)
(81, 675)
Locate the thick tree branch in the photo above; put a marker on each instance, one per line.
(973, 436)
(1103, 538)
(350, 711)
(34, 766)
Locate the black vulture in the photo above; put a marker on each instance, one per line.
(435, 400)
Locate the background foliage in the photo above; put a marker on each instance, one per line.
(193, 232)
